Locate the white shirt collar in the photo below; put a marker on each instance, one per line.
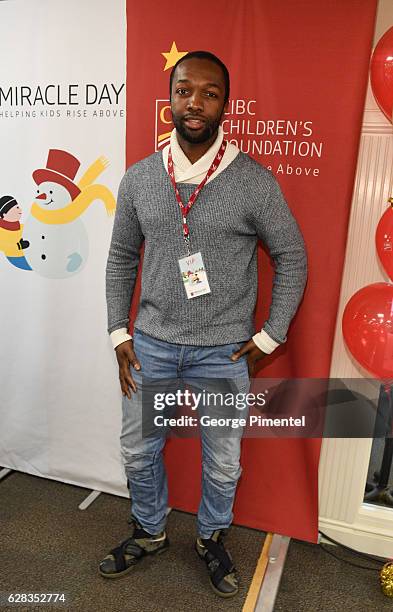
(184, 167)
(185, 171)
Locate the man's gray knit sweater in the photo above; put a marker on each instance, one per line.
(242, 203)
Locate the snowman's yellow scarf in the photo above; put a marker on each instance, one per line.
(89, 193)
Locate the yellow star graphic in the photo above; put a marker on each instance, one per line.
(172, 56)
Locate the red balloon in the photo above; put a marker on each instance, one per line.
(368, 329)
(384, 241)
(381, 73)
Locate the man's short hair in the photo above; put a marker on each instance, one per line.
(206, 55)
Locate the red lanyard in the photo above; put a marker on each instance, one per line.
(186, 209)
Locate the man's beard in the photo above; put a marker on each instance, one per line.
(210, 128)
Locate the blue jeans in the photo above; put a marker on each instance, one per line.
(143, 461)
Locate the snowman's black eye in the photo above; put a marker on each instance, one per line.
(51, 192)
(38, 191)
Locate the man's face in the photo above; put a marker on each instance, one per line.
(197, 99)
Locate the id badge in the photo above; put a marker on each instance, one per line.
(194, 275)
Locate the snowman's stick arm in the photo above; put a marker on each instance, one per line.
(93, 171)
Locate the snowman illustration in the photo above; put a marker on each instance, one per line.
(59, 245)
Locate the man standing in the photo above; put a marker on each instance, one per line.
(200, 207)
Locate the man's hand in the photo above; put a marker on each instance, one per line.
(126, 357)
(253, 355)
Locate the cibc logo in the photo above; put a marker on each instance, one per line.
(164, 124)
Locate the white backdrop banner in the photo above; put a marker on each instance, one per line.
(62, 155)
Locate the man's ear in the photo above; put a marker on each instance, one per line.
(224, 110)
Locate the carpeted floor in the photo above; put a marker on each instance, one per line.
(48, 545)
(313, 581)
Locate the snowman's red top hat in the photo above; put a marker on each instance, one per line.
(61, 168)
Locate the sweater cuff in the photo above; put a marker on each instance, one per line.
(265, 342)
(119, 336)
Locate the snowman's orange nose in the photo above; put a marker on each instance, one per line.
(42, 196)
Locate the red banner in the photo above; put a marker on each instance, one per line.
(298, 78)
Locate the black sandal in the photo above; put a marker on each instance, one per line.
(121, 559)
(222, 572)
